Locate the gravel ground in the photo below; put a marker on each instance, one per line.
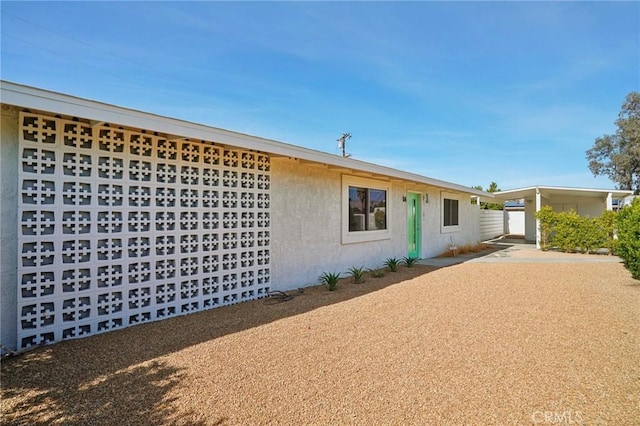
(475, 343)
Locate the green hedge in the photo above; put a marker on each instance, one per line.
(570, 232)
(617, 232)
(628, 246)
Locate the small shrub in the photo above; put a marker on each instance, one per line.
(593, 236)
(628, 246)
(377, 273)
(567, 231)
(608, 226)
(446, 253)
(330, 279)
(548, 220)
(392, 263)
(460, 250)
(468, 248)
(478, 248)
(409, 261)
(357, 274)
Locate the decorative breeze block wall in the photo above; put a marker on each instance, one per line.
(119, 227)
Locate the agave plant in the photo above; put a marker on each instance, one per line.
(330, 279)
(357, 274)
(377, 273)
(392, 263)
(409, 261)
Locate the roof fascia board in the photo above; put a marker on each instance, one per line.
(550, 190)
(97, 112)
(543, 193)
(592, 190)
(515, 194)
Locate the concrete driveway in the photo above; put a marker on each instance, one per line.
(519, 251)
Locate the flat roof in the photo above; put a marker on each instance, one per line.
(57, 103)
(548, 191)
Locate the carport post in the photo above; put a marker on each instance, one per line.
(538, 207)
(609, 201)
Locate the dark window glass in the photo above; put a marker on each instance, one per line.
(450, 212)
(367, 209)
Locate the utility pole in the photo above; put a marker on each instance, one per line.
(342, 143)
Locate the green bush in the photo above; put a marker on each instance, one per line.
(628, 246)
(567, 232)
(594, 235)
(607, 224)
(548, 220)
(570, 232)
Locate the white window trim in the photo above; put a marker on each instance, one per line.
(454, 228)
(363, 236)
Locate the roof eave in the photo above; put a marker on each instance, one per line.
(531, 191)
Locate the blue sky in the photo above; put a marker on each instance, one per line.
(469, 92)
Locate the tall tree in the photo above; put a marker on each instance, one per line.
(493, 187)
(618, 156)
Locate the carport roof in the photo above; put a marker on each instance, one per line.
(548, 191)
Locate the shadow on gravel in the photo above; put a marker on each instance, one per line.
(74, 392)
(116, 377)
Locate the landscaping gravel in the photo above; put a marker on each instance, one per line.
(474, 343)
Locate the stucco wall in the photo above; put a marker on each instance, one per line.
(8, 225)
(306, 226)
(531, 231)
(435, 240)
(306, 210)
(584, 206)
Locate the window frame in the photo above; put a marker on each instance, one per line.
(449, 228)
(350, 237)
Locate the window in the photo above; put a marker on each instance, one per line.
(367, 209)
(450, 216)
(449, 212)
(364, 209)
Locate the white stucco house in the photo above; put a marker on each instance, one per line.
(584, 201)
(113, 217)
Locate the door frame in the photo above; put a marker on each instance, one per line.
(414, 224)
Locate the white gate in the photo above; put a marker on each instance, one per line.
(514, 222)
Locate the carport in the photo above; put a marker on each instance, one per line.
(584, 201)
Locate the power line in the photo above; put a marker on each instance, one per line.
(342, 143)
(122, 58)
(62, 56)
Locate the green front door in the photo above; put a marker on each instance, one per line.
(413, 223)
